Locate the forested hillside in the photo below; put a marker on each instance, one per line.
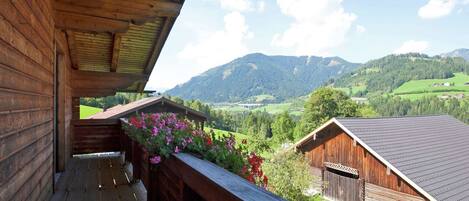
(257, 76)
(388, 73)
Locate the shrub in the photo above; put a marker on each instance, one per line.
(290, 176)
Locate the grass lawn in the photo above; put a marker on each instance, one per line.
(274, 108)
(355, 89)
(417, 96)
(86, 111)
(425, 86)
(219, 133)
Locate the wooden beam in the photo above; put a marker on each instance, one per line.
(121, 9)
(86, 23)
(72, 49)
(115, 51)
(76, 93)
(96, 83)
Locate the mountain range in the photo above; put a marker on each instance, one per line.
(464, 53)
(277, 78)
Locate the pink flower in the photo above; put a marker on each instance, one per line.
(176, 150)
(154, 131)
(188, 140)
(180, 125)
(169, 139)
(155, 159)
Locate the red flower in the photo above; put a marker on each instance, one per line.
(135, 122)
(209, 141)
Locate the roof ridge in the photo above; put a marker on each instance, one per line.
(394, 117)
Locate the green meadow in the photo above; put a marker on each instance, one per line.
(86, 111)
(416, 89)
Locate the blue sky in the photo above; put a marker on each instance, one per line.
(209, 33)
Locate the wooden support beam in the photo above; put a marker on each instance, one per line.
(123, 10)
(93, 84)
(115, 51)
(86, 23)
(72, 49)
(92, 92)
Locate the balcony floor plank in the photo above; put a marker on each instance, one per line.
(96, 177)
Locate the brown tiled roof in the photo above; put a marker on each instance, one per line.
(119, 111)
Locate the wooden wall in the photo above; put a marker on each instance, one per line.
(96, 135)
(334, 145)
(26, 99)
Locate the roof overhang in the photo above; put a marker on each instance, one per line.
(312, 136)
(114, 38)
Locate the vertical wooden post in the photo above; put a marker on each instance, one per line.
(75, 108)
(136, 163)
(152, 191)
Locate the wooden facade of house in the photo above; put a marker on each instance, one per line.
(333, 145)
(373, 179)
(394, 158)
(52, 52)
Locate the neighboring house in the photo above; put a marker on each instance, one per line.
(401, 158)
(151, 105)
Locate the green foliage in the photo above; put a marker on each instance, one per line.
(290, 176)
(222, 133)
(388, 73)
(282, 128)
(396, 106)
(322, 105)
(86, 111)
(367, 111)
(110, 101)
(256, 75)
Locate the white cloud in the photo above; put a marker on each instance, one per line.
(360, 29)
(318, 26)
(261, 6)
(412, 46)
(236, 5)
(220, 46)
(437, 8)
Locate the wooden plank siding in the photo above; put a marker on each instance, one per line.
(96, 135)
(26, 99)
(335, 146)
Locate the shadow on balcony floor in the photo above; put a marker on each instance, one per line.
(97, 177)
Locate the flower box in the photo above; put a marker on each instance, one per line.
(155, 137)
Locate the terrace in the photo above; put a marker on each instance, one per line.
(116, 175)
(52, 53)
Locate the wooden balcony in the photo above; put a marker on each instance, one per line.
(97, 177)
(107, 177)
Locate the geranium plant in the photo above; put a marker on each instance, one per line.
(164, 133)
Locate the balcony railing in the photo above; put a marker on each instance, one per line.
(181, 177)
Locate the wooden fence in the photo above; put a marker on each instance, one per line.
(96, 135)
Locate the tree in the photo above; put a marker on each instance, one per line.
(322, 105)
(282, 128)
(289, 176)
